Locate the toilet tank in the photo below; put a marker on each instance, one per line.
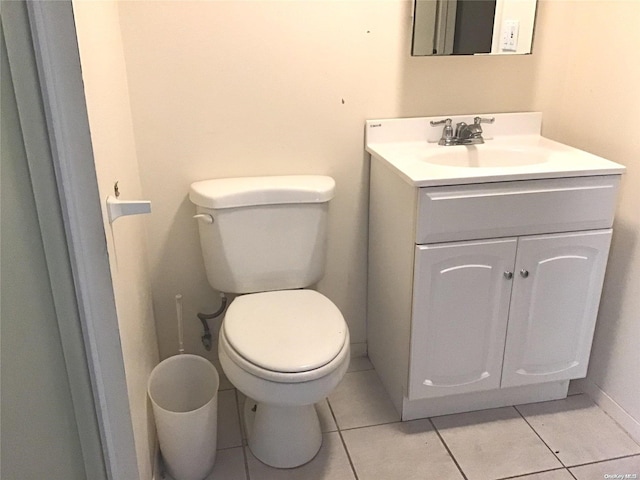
(268, 233)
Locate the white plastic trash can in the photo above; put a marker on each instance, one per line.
(184, 393)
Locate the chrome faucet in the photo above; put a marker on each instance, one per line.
(464, 134)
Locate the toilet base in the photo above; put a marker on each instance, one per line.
(282, 437)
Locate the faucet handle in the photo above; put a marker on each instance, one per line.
(444, 121)
(447, 137)
(479, 120)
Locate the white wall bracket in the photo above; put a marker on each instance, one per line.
(119, 208)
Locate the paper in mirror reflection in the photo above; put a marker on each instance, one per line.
(472, 27)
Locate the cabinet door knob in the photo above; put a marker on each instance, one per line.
(524, 273)
(508, 275)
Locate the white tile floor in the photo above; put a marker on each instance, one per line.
(570, 439)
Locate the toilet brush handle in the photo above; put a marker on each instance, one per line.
(179, 315)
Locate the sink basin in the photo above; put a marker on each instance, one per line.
(483, 156)
(514, 149)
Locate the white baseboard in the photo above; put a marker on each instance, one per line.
(611, 407)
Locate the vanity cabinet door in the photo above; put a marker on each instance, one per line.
(554, 305)
(459, 318)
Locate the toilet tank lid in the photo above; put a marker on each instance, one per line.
(249, 191)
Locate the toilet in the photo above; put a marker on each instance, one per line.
(282, 344)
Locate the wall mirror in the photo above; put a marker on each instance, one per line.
(472, 27)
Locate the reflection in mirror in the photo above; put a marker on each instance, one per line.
(472, 27)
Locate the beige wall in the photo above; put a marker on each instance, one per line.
(587, 79)
(276, 87)
(107, 95)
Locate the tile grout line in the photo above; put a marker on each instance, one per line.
(340, 431)
(515, 477)
(372, 425)
(604, 460)
(579, 464)
(246, 461)
(540, 437)
(229, 448)
(613, 420)
(545, 443)
(344, 445)
(244, 451)
(435, 429)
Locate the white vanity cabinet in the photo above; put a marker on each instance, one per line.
(535, 298)
(484, 295)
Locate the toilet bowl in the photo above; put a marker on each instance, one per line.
(284, 377)
(284, 346)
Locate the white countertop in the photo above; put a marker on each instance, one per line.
(407, 145)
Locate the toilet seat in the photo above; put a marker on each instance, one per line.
(306, 329)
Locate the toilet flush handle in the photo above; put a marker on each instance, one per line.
(204, 217)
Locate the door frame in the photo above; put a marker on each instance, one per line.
(54, 43)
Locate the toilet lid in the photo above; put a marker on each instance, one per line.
(285, 330)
